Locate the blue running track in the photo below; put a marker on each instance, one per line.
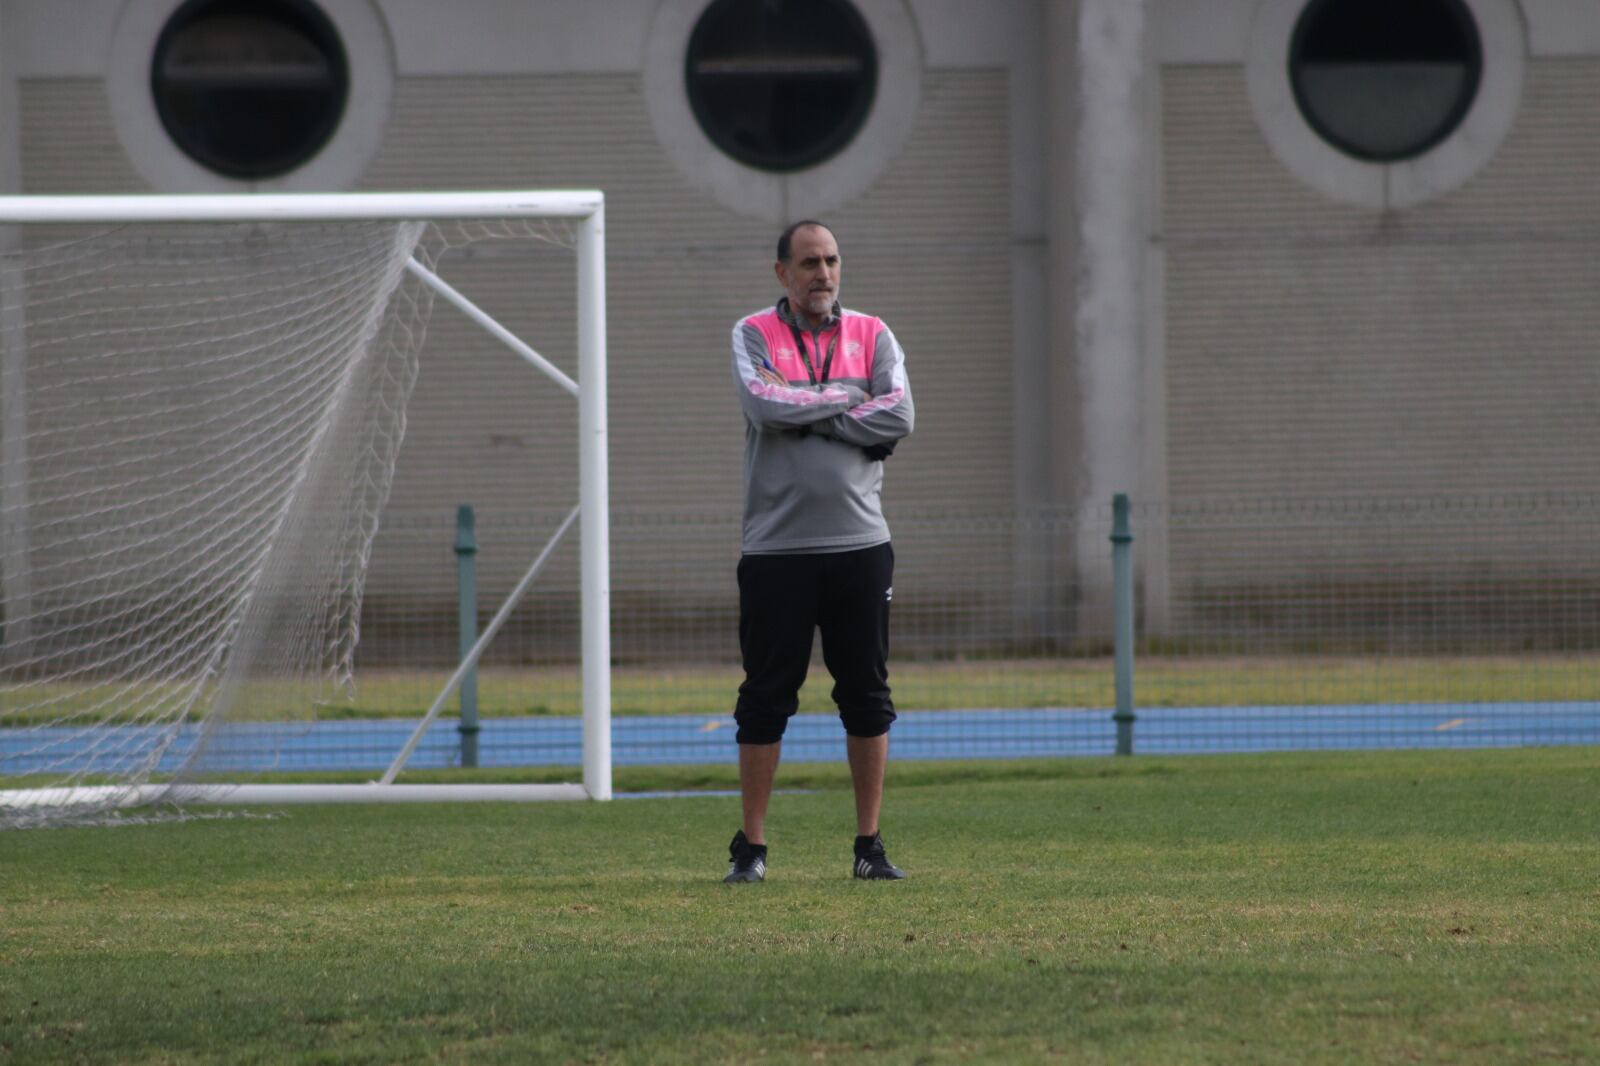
(978, 734)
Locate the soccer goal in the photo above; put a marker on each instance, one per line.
(201, 403)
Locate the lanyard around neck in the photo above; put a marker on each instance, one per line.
(827, 363)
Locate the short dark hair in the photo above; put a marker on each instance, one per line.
(788, 236)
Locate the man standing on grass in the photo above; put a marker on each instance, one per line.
(825, 399)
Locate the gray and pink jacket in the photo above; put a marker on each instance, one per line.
(808, 485)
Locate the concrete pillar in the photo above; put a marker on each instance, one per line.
(1113, 175)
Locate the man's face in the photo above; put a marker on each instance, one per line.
(811, 276)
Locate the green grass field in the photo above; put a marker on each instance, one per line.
(1389, 907)
(1172, 681)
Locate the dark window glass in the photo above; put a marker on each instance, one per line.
(250, 88)
(781, 84)
(1385, 80)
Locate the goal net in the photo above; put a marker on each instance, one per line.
(201, 403)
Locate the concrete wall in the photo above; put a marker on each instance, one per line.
(1351, 354)
(1292, 338)
(944, 235)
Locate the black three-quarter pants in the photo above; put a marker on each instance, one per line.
(782, 599)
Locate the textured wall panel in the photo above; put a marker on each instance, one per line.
(1320, 352)
(927, 248)
(68, 143)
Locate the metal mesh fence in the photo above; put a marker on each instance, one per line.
(1448, 621)
(1290, 623)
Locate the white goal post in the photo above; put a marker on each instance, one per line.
(334, 451)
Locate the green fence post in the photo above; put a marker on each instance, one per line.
(1122, 620)
(467, 628)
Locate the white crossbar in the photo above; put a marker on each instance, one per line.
(301, 207)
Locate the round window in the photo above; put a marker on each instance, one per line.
(781, 85)
(1383, 81)
(250, 89)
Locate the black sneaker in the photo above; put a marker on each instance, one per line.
(872, 864)
(749, 861)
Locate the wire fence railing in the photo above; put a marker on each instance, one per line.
(1313, 622)
(1306, 623)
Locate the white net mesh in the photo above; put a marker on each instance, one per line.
(198, 432)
